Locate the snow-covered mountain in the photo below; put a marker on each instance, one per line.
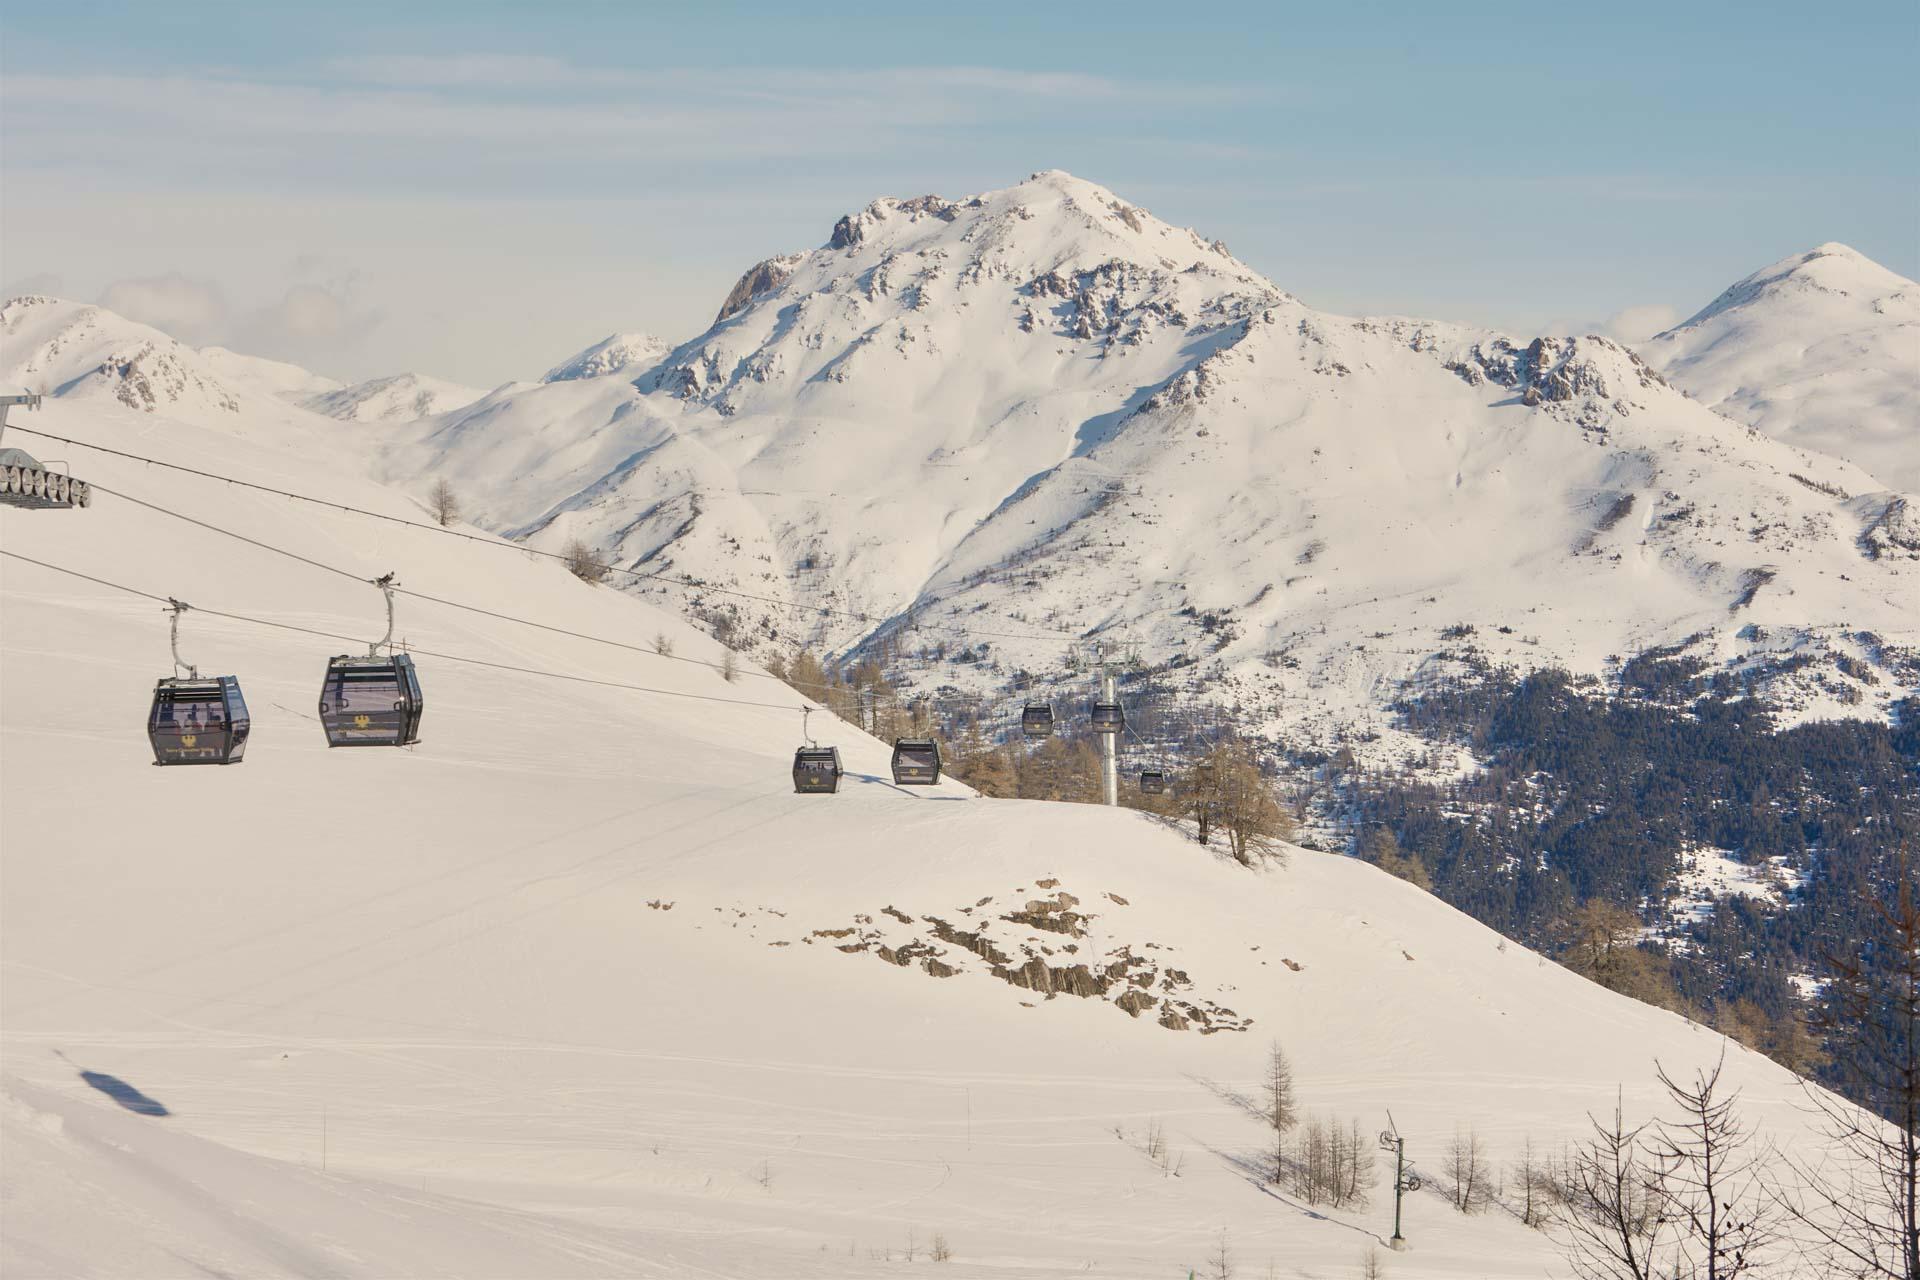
(70, 349)
(401, 397)
(87, 353)
(1043, 412)
(578, 986)
(1821, 350)
(628, 353)
(277, 378)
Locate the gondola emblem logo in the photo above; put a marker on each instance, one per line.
(188, 740)
(362, 721)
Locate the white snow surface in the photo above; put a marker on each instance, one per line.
(1821, 350)
(628, 353)
(402, 397)
(276, 378)
(1043, 412)
(86, 353)
(93, 356)
(562, 990)
(1708, 875)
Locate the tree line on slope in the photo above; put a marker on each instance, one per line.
(1571, 839)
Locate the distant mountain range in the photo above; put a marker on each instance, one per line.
(1045, 414)
(1043, 411)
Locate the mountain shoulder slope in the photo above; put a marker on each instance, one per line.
(1820, 350)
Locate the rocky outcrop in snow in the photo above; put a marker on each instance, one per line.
(759, 278)
(628, 353)
(66, 349)
(400, 398)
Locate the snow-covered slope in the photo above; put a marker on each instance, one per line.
(628, 353)
(1821, 350)
(401, 397)
(71, 349)
(579, 987)
(1043, 411)
(96, 1190)
(276, 378)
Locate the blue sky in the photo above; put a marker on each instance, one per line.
(476, 190)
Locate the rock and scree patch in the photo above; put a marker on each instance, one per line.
(1037, 944)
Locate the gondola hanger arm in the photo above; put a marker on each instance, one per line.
(176, 608)
(386, 582)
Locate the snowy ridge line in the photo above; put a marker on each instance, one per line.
(425, 653)
(669, 579)
(417, 595)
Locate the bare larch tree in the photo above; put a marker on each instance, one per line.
(444, 503)
(1281, 1108)
(1616, 1220)
(1710, 1176)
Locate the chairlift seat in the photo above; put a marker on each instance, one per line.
(916, 762)
(198, 720)
(371, 702)
(816, 770)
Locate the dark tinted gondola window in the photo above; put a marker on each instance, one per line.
(917, 759)
(354, 691)
(364, 705)
(190, 726)
(190, 713)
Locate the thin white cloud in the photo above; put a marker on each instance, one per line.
(192, 310)
(318, 317)
(380, 115)
(488, 71)
(477, 70)
(47, 282)
(1637, 324)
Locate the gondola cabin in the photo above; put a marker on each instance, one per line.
(1108, 718)
(371, 702)
(916, 762)
(816, 771)
(198, 721)
(1153, 782)
(1036, 720)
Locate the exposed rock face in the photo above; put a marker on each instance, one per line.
(1551, 370)
(762, 277)
(1895, 532)
(852, 229)
(146, 378)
